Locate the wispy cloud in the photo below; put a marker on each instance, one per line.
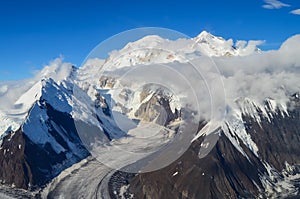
(295, 12)
(274, 4)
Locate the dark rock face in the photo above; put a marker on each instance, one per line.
(225, 172)
(278, 141)
(221, 174)
(106, 81)
(14, 168)
(27, 164)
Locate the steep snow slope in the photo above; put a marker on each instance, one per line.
(18, 97)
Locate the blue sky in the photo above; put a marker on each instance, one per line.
(34, 32)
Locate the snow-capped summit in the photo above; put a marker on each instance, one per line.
(155, 49)
(211, 45)
(207, 37)
(150, 41)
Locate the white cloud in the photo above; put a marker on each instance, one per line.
(295, 12)
(3, 89)
(268, 74)
(247, 48)
(274, 4)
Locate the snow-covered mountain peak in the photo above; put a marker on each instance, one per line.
(211, 45)
(45, 88)
(148, 41)
(206, 36)
(153, 49)
(14, 112)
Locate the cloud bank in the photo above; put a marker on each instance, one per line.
(272, 74)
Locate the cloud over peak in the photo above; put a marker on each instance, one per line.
(274, 4)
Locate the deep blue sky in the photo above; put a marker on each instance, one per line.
(34, 32)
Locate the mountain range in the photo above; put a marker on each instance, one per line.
(199, 117)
